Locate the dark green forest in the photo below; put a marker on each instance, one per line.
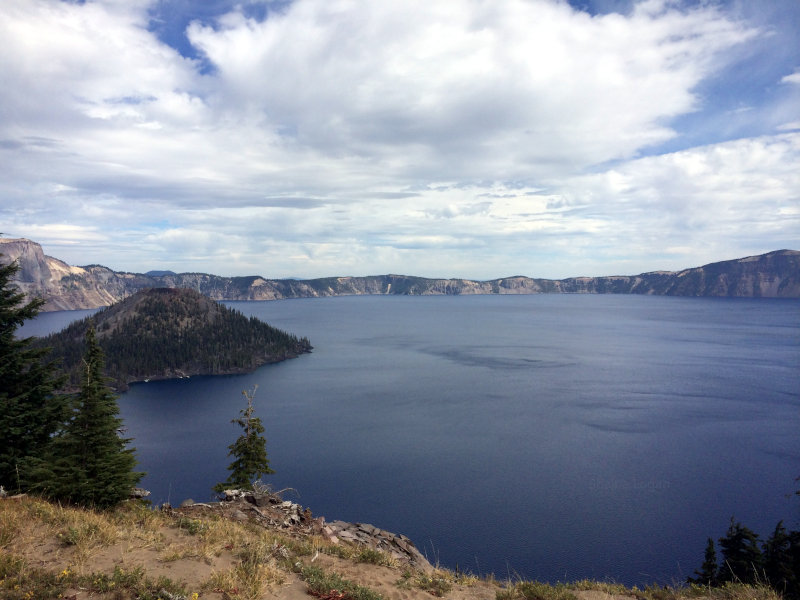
(745, 558)
(162, 333)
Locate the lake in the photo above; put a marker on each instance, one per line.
(555, 437)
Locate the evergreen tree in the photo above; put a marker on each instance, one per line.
(90, 463)
(249, 450)
(792, 591)
(707, 575)
(742, 560)
(30, 410)
(779, 569)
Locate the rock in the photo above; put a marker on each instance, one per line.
(329, 534)
(269, 511)
(364, 534)
(230, 495)
(340, 525)
(368, 529)
(139, 493)
(187, 502)
(262, 500)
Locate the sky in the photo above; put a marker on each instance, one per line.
(439, 138)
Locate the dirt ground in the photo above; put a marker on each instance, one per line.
(193, 550)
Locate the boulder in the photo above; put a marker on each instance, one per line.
(139, 493)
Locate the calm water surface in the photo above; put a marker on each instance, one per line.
(554, 437)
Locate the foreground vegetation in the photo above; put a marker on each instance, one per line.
(744, 559)
(134, 552)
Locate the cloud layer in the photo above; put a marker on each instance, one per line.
(467, 138)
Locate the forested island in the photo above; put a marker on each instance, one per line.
(164, 333)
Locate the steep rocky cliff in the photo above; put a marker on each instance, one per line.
(65, 287)
(772, 275)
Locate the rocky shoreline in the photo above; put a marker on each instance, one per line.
(269, 510)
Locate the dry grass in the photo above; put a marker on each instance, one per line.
(47, 549)
(265, 558)
(600, 586)
(248, 582)
(730, 591)
(82, 532)
(437, 583)
(9, 528)
(534, 590)
(527, 590)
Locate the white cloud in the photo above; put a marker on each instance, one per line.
(354, 136)
(488, 90)
(417, 92)
(708, 198)
(794, 78)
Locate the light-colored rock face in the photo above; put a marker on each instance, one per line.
(29, 256)
(35, 267)
(64, 287)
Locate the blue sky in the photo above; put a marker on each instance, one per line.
(445, 138)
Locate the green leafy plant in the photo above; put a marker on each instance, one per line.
(374, 557)
(324, 584)
(191, 526)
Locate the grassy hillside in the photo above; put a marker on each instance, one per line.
(50, 551)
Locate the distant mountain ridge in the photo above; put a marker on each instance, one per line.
(772, 275)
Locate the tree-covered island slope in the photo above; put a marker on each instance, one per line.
(164, 333)
(772, 275)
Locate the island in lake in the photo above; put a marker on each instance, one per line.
(165, 333)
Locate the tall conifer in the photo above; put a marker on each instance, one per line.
(707, 575)
(30, 410)
(742, 560)
(249, 450)
(91, 464)
(780, 567)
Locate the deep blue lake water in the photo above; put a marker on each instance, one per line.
(554, 437)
